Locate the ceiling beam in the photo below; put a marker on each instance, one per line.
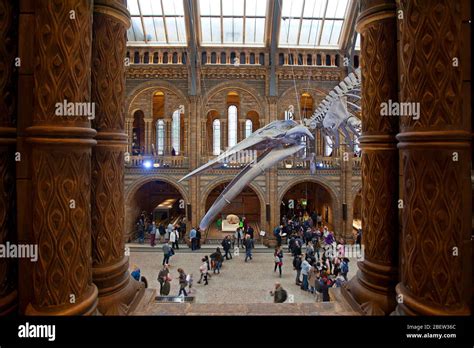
(275, 18)
(191, 30)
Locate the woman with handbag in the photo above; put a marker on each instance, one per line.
(278, 255)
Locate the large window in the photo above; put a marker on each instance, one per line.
(312, 23)
(157, 22)
(216, 137)
(248, 128)
(232, 116)
(236, 22)
(160, 137)
(175, 132)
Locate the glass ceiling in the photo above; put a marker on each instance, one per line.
(236, 22)
(157, 22)
(312, 23)
(304, 23)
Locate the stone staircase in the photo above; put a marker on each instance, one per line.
(338, 306)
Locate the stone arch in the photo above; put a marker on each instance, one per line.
(155, 84)
(315, 92)
(215, 183)
(333, 192)
(135, 186)
(234, 86)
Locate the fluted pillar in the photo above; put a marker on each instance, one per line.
(117, 289)
(8, 52)
(60, 160)
(129, 129)
(148, 137)
(374, 285)
(167, 137)
(436, 161)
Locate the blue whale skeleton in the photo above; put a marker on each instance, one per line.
(281, 139)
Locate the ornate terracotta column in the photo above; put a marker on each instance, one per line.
(60, 161)
(117, 289)
(8, 52)
(436, 161)
(374, 285)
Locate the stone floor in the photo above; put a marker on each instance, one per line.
(238, 283)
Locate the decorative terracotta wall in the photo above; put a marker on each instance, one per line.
(110, 265)
(61, 161)
(8, 113)
(373, 287)
(435, 151)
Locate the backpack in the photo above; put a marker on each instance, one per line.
(284, 295)
(344, 267)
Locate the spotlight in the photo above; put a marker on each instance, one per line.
(147, 164)
(156, 165)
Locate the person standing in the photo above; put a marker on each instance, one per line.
(248, 248)
(153, 234)
(174, 237)
(141, 232)
(182, 282)
(167, 253)
(226, 245)
(345, 268)
(203, 270)
(305, 267)
(297, 266)
(192, 237)
(162, 231)
(169, 229)
(198, 238)
(238, 237)
(278, 255)
(164, 280)
(250, 231)
(217, 258)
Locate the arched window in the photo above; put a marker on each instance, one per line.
(175, 132)
(327, 146)
(248, 128)
(160, 137)
(289, 115)
(232, 115)
(216, 137)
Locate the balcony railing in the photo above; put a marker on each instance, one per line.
(148, 161)
(321, 163)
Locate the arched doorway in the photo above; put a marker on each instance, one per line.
(247, 204)
(156, 200)
(304, 199)
(138, 133)
(357, 214)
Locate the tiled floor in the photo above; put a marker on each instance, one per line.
(238, 283)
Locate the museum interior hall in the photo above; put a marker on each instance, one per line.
(237, 157)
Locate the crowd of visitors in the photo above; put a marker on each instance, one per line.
(317, 258)
(323, 264)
